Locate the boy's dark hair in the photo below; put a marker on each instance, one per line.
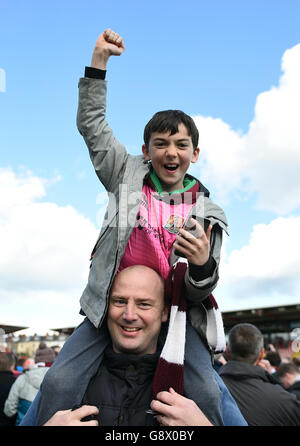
(168, 121)
(245, 342)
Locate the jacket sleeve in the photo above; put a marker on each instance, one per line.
(12, 402)
(107, 154)
(197, 291)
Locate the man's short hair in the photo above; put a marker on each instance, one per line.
(245, 342)
(12, 359)
(4, 362)
(168, 121)
(287, 368)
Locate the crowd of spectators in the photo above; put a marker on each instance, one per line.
(20, 380)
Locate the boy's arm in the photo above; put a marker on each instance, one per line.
(107, 154)
(202, 280)
(202, 250)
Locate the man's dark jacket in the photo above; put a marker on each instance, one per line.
(295, 389)
(261, 400)
(122, 389)
(6, 381)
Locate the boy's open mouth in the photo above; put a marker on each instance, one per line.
(171, 167)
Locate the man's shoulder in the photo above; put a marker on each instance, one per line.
(7, 377)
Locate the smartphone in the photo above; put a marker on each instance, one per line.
(191, 227)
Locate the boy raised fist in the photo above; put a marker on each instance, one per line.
(108, 44)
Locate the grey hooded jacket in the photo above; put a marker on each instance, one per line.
(26, 388)
(123, 177)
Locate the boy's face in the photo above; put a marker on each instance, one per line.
(171, 156)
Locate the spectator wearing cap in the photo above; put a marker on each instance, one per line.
(44, 355)
(26, 386)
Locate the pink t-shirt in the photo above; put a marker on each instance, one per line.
(157, 225)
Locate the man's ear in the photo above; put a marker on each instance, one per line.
(260, 356)
(145, 152)
(165, 314)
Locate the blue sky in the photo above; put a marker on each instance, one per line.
(221, 62)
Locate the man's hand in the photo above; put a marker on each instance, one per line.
(73, 418)
(194, 245)
(108, 44)
(176, 410)
(265, 364)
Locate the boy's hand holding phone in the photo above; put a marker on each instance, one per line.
(193, 242)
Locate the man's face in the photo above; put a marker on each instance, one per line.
(171, 156)
(136, 311)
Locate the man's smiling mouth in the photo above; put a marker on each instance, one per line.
(130, 329)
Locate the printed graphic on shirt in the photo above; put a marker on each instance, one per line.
(174, 223)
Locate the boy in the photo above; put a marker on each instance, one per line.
(150, 198)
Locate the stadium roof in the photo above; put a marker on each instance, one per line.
(280, 319)
(11, 328)
(66, 330)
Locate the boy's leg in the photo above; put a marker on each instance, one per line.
(232, 415)
(66, 381)
(200, 384)
(29, 418)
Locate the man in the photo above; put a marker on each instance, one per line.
(121, 391)
(7, 379)
(289, 377)
(122, 388)
(261, 400)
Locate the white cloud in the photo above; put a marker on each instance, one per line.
(266, 159)
(266, 271)
(222, 158)
(45, 251)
